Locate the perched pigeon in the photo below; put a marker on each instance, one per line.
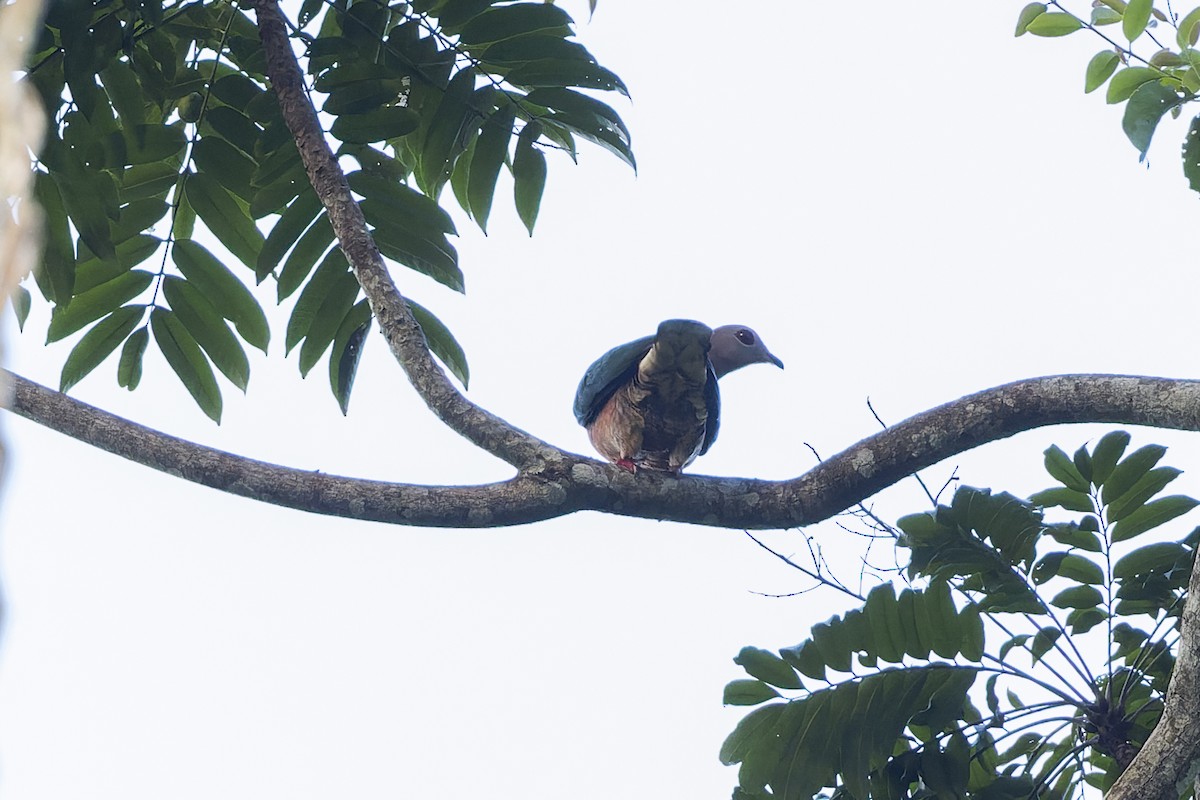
(654, 403)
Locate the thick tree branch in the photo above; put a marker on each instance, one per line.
(561, 482)
(402, 332)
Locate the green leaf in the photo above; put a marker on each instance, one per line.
(1062, 469)
(1107, 453)
(1100, 69)
(529, 175)
(1188, 31)
(1130, 471)
(1149, 485)
(226, 217)
(753, 728)
(1028, 14)
(558, 73)
(56, 278)
(332, 269)
(1072, 535)
(1083, 620)
(185, 357)
(21, 303)
(401, 201)
(441, 342)
(1064, 498)
(1078, 597)
(1043, 643)
(806, 658)
(1054, 23)
(1157, 558)
(445, 133)
(129, 368)
(1136, 18)
(124, 91)
(292, 223)
(335, 307)
(96, 303)
(314, 244)
(747, 693)
(491, 149)
(1103, 15)
(1143, 111)
(230, 166)
(434, 257)
(98, 344)
(1191, 155)
(971, 622)
(1152, 515)
(226, 293)
(208, 328)
(1081, 569)
(378, 125)
(1125, 83)
(507, 22)
(347, 351)
(768, 667)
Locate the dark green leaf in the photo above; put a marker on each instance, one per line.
(402, 202)
(380, 124)
(436, 258)
(293, 222)
(96, 303)
(1191, 155)
(529, 175)
(187, 360)
(747, 693)
(1043, 642)
(234, 127)
(124, 91)
(444, 134)
(129, 369)
(206, 325)
(223, 290)
(1078, 597)
(1130, 471)
(1149, 485)
(535, 47)
(806, 658)
(308, 250)
(1143, 111)
(98, 344)
(230, 166)
(506, 22)
(335, 307)
(490, 151)
(347, 351)
(21, 303)
(145, 144)
(1063, 497)
(768, 667)
(554, 72)
(1081, 569)
(1083, 620)
(1072, 535)
(1159, 557)
(333, 268)
(148, 180)
(1106, 455)
(441, 342)
(226, 217)
(56, 278)
(1152, 515)
(1062, 469)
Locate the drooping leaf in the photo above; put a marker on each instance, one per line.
(744, 692)
(518, 19)
(347, 351)
(1028, 14)
(129, 368)
(291, 224)
(187, 360)
(1191, 155)
(377, 125)
(206, 325)
(1126, 81)
(490, 152)
(768, 667)
(95, 303)
(529, 175)
(441, 342)
(227, 217)
(333, 268)
(227, 294)
(310, 248)
(1145, 108)
(335, 307)
(444, 133)
(98, 344)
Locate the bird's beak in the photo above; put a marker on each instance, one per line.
(774, 360)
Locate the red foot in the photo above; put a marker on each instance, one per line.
(627, 465)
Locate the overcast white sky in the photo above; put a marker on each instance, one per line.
(907, 207)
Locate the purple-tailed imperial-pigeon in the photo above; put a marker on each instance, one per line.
(654, 403)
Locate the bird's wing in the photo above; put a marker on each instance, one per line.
(606, 375)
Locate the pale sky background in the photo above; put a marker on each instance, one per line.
(906, 206)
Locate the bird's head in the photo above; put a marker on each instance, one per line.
(736, 346)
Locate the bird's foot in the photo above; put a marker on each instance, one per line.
(627, 464)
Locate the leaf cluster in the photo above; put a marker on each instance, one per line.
(834, 719)
(166, 136)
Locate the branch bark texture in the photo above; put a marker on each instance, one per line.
(560, 482)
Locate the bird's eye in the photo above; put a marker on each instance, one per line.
(745, 336)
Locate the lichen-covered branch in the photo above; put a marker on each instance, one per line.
(560, 483)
